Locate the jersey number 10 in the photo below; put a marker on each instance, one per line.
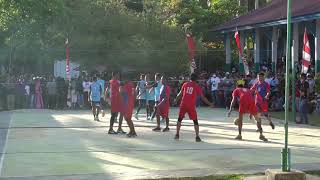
(189, 90)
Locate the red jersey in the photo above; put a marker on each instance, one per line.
(128, 98)
(243, 93)
(165, 93)
(115, 96)
(190, 91)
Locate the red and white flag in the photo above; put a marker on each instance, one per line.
(191, 51)
(67, 59)
(306, 53)
(244, 60)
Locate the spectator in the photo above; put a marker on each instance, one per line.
(86, 88)
(52, 93)
(303, 87)
(213, 82)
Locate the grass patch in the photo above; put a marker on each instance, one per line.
(213, 177)
(314, 119)
(315, 173)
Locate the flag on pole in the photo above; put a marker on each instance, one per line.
(67, 59)
(191, 50)
(243, 58)
(306, 57)
(68, 72)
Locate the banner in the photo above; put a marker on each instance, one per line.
(243, 58)
(306, 57)
(191, 50)
(67, 60)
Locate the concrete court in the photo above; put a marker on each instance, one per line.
(45, 144)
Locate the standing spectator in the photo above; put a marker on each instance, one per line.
(38, 94)
(312, 84)
(86, 89)
(32, 92)
(27, 95)
(303, 87)
(213, 82)
(20, 93)
(79, 90)
(52, 93)
(61, 93)
(141, 91)
(228, 86)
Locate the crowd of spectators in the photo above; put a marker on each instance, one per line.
(30, 91)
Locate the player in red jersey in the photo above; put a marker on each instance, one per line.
(262, 92)
(189, 93)
(115, 101)
(246, 105)
(127, 93)
(163, 105)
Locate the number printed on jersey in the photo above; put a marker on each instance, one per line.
(189, 90)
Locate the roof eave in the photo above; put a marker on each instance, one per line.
(307, 17)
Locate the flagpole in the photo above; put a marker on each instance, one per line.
(285, 150)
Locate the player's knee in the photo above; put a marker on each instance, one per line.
(195, 122)
(180, 119)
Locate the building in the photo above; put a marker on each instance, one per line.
(265, 28)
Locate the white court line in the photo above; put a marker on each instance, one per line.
(5, 146)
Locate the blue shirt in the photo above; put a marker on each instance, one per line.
(101, 82)
(157, 90)
(95, 92)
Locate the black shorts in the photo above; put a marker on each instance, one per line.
(95, 103)
(103, 102)
(142, 101)
(151, 102)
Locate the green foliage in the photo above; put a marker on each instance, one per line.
(101, 33)
(317, 84)
(134, 34)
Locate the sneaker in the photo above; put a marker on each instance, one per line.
(272, 125)
(198, 139)
(239, 137)
(176, 137)
(261, 137)
(120, 131)
(112, 132)
(136, 116)
(165, 129)
(235, 121)
(156, 129)
(130, 135)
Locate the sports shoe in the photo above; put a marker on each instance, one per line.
(136, 116)
(235, 121)
(239, 137)
(112, 132)
(165, 129)
(198, 139)
(156, 129)
(261, 137)
(176, 137)
(272, 125)
(120, 131)
(129, 135)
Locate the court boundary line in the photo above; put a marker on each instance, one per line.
(5, 145)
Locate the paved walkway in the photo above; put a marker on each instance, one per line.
(44, 144)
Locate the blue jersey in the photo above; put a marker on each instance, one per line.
(101, 82)
(95, 89)
(157, 90)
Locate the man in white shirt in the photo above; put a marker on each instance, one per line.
(213, 82)
(86, 88)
